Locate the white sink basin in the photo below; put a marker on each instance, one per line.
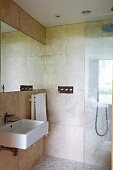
(22, 133)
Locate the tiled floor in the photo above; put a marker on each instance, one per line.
(53, 163)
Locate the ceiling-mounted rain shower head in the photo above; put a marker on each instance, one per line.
(108, 27)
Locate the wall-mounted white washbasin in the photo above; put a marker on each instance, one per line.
(22, 133)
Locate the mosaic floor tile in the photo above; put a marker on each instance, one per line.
(53, 163)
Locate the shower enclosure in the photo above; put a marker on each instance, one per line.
(98, 95)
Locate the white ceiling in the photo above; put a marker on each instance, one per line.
(7, 28)
(44, 11)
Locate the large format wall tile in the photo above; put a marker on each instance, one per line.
(56, 40)
(55, 71)
(75, 71)
(74, 115)
(13, 72)
(65, 142)
(70, 54)
(55, 106)
(65, 66)
(75, 39)
(23, 61)
(35, 73)
(65, 109)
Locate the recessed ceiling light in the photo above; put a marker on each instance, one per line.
(57, 16)
(86, 12)
(112, 9)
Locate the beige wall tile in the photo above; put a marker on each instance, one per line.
(74, 115)
(55, 106)
(10, 78)
(75, 71)
(65, 109)
(65, 142)
(35, 73)
(75, 39)
(78, 43)
(56, 40)
(35, 48)
(23, 61)
(65, 66)
(55, 71)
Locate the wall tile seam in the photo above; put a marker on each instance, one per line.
(64, 124)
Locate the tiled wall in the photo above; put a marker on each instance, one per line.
(65, 66)
(67, 50)
(98, 46)
(18, 103)
(22, 61)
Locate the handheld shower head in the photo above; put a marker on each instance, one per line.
(108, 27)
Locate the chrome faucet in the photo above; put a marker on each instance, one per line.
(6, 117)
